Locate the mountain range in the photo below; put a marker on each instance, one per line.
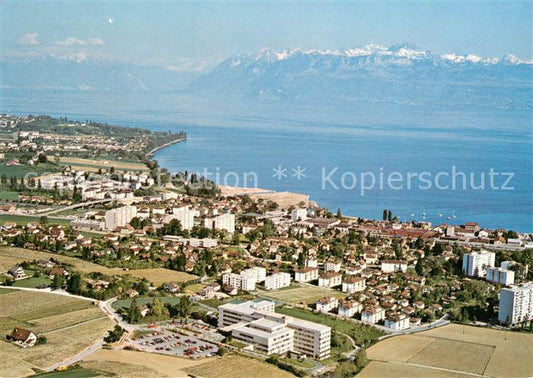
(400, 74)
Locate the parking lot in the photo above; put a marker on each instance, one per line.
(173, 344)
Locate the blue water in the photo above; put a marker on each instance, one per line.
(232, 140)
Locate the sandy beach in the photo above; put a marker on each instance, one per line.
(283, 199)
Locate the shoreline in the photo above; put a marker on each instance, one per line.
(153, 151)
(283, 199)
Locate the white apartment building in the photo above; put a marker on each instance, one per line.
(306, 274)
(221, 222)
(119, 217)
(332, 265)
(500, 275)
(475, 263)
(390, 266)
(373, 314)
(330, 279)
(277, 281)
(327, 304)
(311, 263)
(87, 223)
(397, 322)
(258, 271)
(299, 215)
(349, 308)
(353, 284)
(311, 339)
(185, 216)
(516, 304)
(244, 281)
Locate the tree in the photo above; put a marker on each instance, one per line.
(43, 219)
(74, 284)
(361, 360)
(183, 307)
(142, 287)
(57, 283)
(156, 307)
(384, 214)
(389, 215)
(114, 335)
(339, 213)
(134, 313)
(419, 269)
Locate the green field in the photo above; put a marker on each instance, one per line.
(361, 333)
(125, 303)
(22, 170)
(24, 220)
(302, 294)
(33, 282)
(8, 195)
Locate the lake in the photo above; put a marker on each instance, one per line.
(420, 163)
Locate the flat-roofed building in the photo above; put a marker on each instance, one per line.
(267, 336)
(516, 304)
(475, 263)
(500, 275)
(221, 222)
(389, 266)
(309, 338)
(277, 281)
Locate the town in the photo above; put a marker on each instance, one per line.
(171, 264)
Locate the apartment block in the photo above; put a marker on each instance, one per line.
(185, 216)
(349, 308)
(475, 263)
(332, 265)
(500, 275)
(327, 304)
(244, 281)
(353, 284)
(277, 281)
(373, 314)
(397, 322)
(330, 279)
(516, 304)
(299, 215)
(119, 217)
(306, 274)
(258, 271)
(390, 266)
(221, 222)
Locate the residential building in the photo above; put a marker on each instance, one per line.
(373, 314)
(306, 274)
(389, 266)
(244, 281)
(353, 284)
(397, 322)
(311, 339)
(330, 279)
(22, 337)
(475, 263)
(311, 263)
(17, 273)
(327, 304)
(221, 222)
(516, 304)
(299, 215)
(185, 216)
(277, 281)
(258, 271)
(119, 217)
(349, 308)
(332, 265)
(500, 275)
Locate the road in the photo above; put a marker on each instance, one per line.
(76, 205)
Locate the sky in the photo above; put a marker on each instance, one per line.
(196, 35)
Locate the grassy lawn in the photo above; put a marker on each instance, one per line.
(362, 334)
(33, 282)
(305, 364)
(302, 294)
(125, 303)
(105, 164)
(195, 288)
(22, 170)
(8, 195)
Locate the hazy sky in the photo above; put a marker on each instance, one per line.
(190, 35)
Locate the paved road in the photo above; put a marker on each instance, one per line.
(81, 204)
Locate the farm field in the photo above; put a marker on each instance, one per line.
(94, 165)
(300, 294)
(455, 349)
(10, 256)
(126, 363)
(232, 365)
(24, 220)
(69, 325)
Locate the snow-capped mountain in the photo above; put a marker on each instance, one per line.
(400, 73)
